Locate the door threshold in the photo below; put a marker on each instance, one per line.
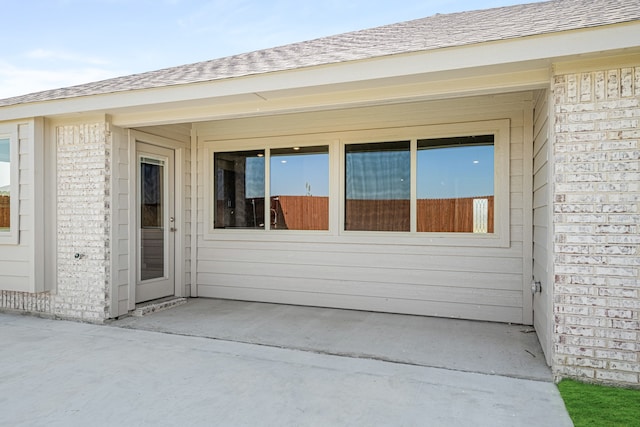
(154, 306)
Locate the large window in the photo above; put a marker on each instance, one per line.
(455, 190)
(299, 188)
(436, 182)
(454, 185)
(239, 189)
(378, 186)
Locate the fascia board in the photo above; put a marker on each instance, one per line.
(600, 63)
(521, 50)
(509, 82)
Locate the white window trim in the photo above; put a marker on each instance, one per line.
(12, 237)
(337, 141)
(267, 144)
(501, 131)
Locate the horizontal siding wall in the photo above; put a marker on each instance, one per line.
(121, 182)
(187, 216)
(378, 274)
(543, 310)
(16, 260)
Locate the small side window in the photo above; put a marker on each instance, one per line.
(8, 190)
(5, 185)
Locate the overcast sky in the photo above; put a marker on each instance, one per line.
(48, 44)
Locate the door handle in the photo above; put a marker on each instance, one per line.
(173, 229)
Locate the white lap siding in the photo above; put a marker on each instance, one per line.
(542, 227)
(379, 273)
(22, 282)
(121, 206)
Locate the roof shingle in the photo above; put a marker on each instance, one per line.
(434, 32)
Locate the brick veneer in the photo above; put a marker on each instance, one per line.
(83, 222)
(83, 227)
(597, 226)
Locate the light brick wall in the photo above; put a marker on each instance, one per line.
(83, 226)
(25, 301)
(597, 226)
(83, 222)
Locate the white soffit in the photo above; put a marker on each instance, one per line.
(328, 97)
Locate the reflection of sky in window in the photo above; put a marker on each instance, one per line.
(5, 165)
(5, 175)
(455, 172)
(254, 177)
(290, 175)
(378, 175)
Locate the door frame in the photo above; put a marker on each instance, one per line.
(163, 285)
(136, 136)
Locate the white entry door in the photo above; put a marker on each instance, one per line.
(155, 223)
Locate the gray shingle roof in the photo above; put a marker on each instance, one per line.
(434, 32)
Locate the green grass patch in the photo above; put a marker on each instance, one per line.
(596, 405)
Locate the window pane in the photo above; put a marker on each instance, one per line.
(152, 219)
(455, 184)
(151, 193)
(5, 185)
(378, 187)
(300, 188)
(239, 188)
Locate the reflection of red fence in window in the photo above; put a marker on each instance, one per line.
(377, 215)
(434, 215)
(299, 213)
(5, 212)
(451, 215)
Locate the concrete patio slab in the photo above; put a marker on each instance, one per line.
(470, 346)
(59, 373)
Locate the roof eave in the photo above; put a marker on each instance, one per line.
(519, 53)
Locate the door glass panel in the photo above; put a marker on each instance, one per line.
(152, 221)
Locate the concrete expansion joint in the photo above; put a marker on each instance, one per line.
(351, 355)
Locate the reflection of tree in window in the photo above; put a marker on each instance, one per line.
(152, 231)
(5, 184)
(239, 188)
(299, 188)
(455, 184)
(378, 186)
(151, 193)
